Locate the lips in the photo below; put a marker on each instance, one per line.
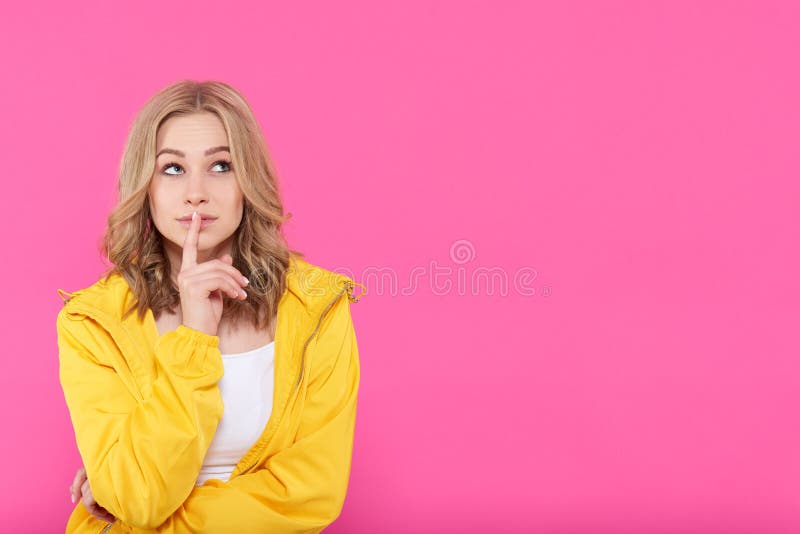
(203, 217)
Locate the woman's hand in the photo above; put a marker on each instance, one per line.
(80, 489)
(201, 286)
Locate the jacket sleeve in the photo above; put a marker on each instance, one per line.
(141, 455)
(300, 489)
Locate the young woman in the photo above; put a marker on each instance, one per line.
(211, 375)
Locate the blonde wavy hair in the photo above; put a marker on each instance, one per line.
(260, 251)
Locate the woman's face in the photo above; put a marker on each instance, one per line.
(194, 172)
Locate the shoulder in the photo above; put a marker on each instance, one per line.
(315, 285)
(109, 294)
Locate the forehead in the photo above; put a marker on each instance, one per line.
(196, 131)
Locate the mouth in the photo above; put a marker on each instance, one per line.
(204, 222)
(203, 216)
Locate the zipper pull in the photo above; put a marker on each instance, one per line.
(350, 285)
(61, 294)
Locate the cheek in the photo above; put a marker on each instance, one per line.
(159, 208)
(153, 197)
(235, 199)
(240, 210)
(160, 199)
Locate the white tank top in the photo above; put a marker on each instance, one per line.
(246, 386)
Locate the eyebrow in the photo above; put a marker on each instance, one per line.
(208, 152)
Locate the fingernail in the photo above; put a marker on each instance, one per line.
(194, 214)
(246, 281)
(72, 498)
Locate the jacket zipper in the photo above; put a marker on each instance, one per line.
(316, 329)
(349, 290)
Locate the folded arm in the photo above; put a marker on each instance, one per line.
(142, 456)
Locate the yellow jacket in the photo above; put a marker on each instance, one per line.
(145, 409)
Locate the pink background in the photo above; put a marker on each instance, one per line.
(638, 160)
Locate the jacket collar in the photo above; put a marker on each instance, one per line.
(308, 286)
(313, 287)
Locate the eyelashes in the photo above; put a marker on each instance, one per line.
(172, 164)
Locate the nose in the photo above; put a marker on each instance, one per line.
(196, 192)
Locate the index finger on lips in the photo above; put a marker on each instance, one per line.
(190, 243)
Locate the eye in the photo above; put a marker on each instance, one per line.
(226, 164)
(168, 166)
